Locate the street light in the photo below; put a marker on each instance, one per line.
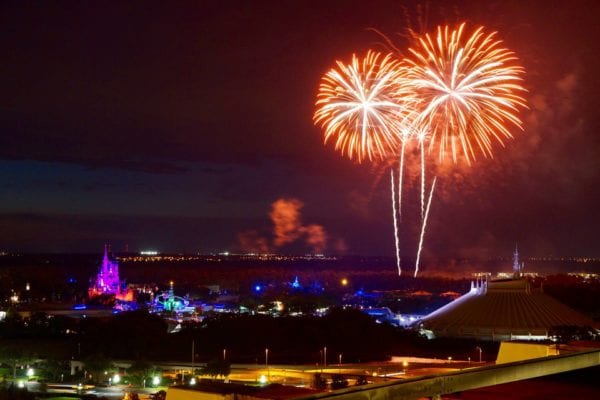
(156, 380)
(340, 362)
(479, 348)
(325, 356)
(321, 359)
(267, 364)
(266, 358)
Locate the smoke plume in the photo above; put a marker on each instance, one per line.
(285, 215)
(287, 228)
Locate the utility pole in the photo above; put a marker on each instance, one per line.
(267, 365)
(193, 358)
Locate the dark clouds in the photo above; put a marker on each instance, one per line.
(202, 112)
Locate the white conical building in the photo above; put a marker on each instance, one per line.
(507, 309)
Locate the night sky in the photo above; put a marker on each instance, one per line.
(187, 127)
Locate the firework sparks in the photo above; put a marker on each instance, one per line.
(469, 90)
(359, 107)
(406, 134)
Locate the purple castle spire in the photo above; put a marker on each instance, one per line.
(107, 280)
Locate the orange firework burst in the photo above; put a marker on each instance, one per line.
(468, 89)
(360, 107)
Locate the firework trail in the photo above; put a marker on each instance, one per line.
(400, 178)
(423, 226)
(395, 216)
(422, 148)
(398, 211)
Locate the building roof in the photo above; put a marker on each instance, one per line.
(500, 309)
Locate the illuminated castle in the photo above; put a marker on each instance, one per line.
(107, 280)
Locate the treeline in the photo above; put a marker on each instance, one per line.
(139, 335)
(580, 294)
(67, 277)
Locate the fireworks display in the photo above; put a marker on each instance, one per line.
(452, 94)
(358, 106)
(468, 90)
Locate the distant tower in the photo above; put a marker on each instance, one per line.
(516, 264)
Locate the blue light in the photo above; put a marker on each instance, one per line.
(296, 283)
(257, 288)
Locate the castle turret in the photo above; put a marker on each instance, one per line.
(107, 280)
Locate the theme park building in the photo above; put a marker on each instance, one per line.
(507, 309)
(107, 281)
